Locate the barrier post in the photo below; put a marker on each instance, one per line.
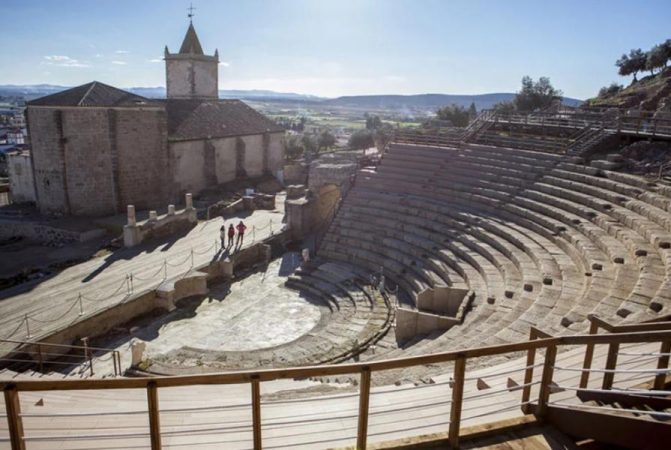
(611, 362)
(88, 354)
(14, 421)
(154, 418)
(364, 401)
(528, 376)
(40, 360)
(589, 354)
(81, 305)
(256, 412)
(165, 269)
(27, 326)
(457, 399)
(662, 363)
(546, 379)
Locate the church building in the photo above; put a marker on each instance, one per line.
(96, 148)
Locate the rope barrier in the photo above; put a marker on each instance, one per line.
(123, 284)
(178, 264)
(160, 269)
(571, 369)
(500, 391)
(207, 250)
(504, 372)
(644, 354)
(605, 408)
(18, 327)
(75, 303)
(650, 392)
(463, 419)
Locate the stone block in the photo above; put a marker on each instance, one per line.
(132, 235)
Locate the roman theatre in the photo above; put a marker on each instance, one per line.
(469, 276)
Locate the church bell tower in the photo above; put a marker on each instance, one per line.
(190, 74)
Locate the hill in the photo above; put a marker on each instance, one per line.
(427, 101)
(366, 102)
(649, 93)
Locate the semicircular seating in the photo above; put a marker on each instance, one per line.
(540, 239)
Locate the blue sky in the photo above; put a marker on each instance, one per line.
(332, 48)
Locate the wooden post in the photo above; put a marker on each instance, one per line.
(611, 362)
(364, 401)
(457, 398)
(662, 363)
(589, 355)
(546, 379)
(114, 361)
(13, 409)
(40, 360)
(154, 417)
(88, 354)
(256, 412)
(528, 376)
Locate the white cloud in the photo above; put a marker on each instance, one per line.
(98, 55)
(155, 60)
(64, 61)
(119, 63)
(225, 64)
(121, 52)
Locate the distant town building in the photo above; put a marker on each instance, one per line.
(96, 148)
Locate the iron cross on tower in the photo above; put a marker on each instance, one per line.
(190, 9)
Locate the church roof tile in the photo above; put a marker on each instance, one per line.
(94, 93)
(197, 119)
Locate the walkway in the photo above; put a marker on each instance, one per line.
(54, 303)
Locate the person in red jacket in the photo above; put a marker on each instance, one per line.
(241, 232)
(231, 235)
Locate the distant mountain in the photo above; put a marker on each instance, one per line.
(367, 102)
(427, 101)
(39, 90)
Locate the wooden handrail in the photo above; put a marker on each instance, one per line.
(152, 385)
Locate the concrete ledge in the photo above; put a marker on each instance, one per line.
(171, 291)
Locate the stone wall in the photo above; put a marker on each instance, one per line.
(88, 151)
(158, 227)
(191, 76)
(199, 164)
(44, 233)
(331, 172)
(21, 181)
(143, 162)
(296, 173)
(410, 323)
(92, 161)
(47, 146)
(439, 309)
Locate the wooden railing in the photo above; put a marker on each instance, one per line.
(611, 361)
(42, 354)
(539, 341)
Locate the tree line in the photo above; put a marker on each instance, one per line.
(657, 58)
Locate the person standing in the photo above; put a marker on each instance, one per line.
(241, 232)
(222, 235)
(231, 234)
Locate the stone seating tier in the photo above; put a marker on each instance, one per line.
(540, 239)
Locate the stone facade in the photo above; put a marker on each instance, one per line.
(96, 148)
(191, 77)
(21, 181)
(94, 161)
